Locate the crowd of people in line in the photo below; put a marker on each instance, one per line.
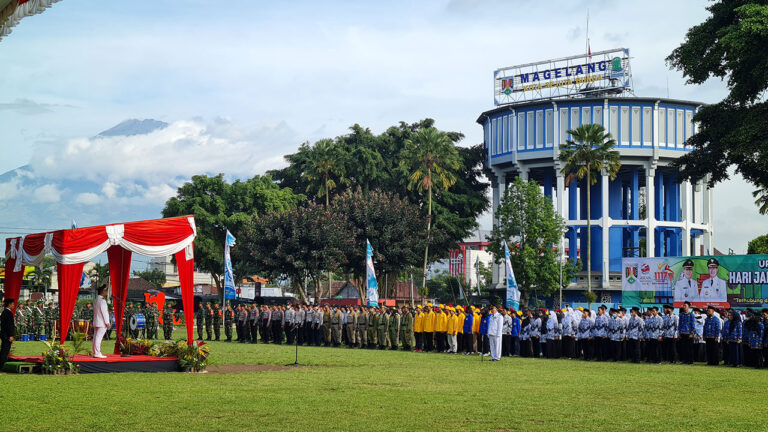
(729, 336)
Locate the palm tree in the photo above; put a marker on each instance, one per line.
(325, 161)
(99, 274)
(432, 161)
(587, 155)
(42, 277)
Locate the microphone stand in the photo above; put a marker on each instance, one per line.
(124, 329)
(296, 338)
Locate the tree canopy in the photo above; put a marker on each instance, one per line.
(218, 205)
(374, 162)
(732, 44)
(758, 245)
(528, 222)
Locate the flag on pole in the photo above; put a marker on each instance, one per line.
(372, 292)
(513, 294)
(229, 278)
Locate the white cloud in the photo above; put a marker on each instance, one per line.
(48, 193)
(10, 189)
(109, 189)
(183, 149)
(88, 198)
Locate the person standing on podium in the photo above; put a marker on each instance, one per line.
(100, 321)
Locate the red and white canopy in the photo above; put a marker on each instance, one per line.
(74, 247)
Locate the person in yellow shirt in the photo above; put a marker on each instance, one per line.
(476, 315)
(429, 328)
(418, 329)
(459, 328)
(452, 330)
(441, 325)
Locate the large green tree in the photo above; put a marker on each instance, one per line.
(528, 222)
(731, 44)
(758, 245)
(373, 162)
(302, 244)
(393, 226)
(585, 156)
(217, 206)
(156, 277)
(431, 161)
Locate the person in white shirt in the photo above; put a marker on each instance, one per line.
(714, 288)
(100, 321)
(495, 327)
(686, 289)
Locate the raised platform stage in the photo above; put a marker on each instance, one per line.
(115, 363)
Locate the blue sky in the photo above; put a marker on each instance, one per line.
(243, 83)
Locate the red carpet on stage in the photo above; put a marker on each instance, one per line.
(115, 363)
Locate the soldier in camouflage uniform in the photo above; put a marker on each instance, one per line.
(151, 314)
(208, 321)
(167, 322)
(29, 316)
(229, 319)
(21, 322)
(50, 318)
(217, 316)
(39, 319)
(129, 312)
(336, 320)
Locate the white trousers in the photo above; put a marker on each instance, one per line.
(452, 343)
(495, 343)
(98, 335)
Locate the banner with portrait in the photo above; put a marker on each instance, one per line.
(721, 281)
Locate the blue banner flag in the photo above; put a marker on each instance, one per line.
(372, 292)
(513, 294)
(229, 279)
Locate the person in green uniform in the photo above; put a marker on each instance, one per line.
(217, 315)
(394, 328)
(382, 327)
(208, 321)
(373, 325)
(336, 321)
(327, 325)
(362, 327)
(229, 320)
(50, 318)
(168, 322)
(200, 321)
(406, 329)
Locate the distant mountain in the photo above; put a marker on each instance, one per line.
(134, 127)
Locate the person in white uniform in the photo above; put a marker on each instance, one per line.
(100, 321)
(495, 327)
(714, 288)
(686, 289)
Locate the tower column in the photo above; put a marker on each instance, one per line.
(606, 226)
(498, 195)
(650, 211)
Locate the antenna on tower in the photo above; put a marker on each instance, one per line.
(589, 50)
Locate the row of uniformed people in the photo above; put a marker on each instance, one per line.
(691, 335)
(441, 328)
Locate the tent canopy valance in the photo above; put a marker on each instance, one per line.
(72, 248)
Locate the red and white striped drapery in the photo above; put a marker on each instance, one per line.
(74, 247)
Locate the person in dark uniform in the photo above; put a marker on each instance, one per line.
(7, 330)
(712, 331)
(685, 330)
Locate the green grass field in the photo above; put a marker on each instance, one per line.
(362, 390)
